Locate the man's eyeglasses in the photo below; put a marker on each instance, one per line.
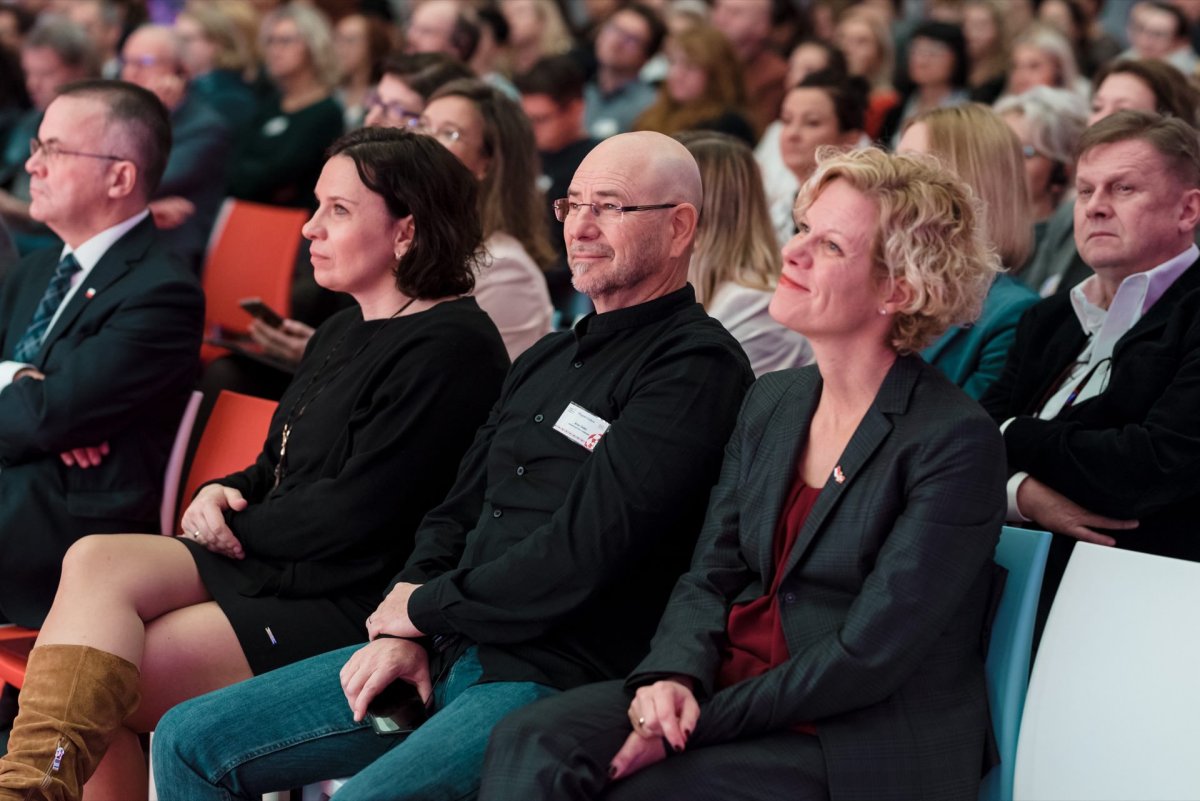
(51, 150)
(564, 208)
(395, 111)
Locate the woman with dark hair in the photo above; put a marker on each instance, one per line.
(287, 558)
(1144, 85)
(826, 108)
(937, 73)
(492, 137)
(396, 102)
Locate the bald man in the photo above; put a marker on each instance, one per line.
(550, 562)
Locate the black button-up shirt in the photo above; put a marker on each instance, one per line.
(560, 570)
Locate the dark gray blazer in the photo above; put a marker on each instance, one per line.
(885, 594)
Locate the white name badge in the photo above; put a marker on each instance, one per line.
(581, 426)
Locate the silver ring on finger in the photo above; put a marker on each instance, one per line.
(196, 536)
(641, 721)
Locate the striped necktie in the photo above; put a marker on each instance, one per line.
(31, 341)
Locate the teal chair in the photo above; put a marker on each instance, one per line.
(1023, 554)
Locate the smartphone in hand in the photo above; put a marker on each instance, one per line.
(261, 311)
(397, 710)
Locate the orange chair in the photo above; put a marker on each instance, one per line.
(15, 642)
(232, 440)
(252, 253)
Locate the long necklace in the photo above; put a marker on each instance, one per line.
(301, 405)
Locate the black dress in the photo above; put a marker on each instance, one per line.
(373, 451)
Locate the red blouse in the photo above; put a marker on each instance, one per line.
(755, 629)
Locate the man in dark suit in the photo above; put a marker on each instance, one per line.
(192, 188)
(1098, 400)
(98, 342)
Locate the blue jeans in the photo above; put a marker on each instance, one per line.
(292, 727)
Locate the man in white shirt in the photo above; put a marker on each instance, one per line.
(1098, 401)
(99, 342)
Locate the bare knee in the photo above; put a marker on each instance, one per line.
(89, 558)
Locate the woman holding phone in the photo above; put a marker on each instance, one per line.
(286, 558)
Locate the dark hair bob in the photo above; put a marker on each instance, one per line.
(416, 175)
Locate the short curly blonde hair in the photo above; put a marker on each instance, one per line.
(931, 236)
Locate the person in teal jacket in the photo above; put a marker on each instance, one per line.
(974, 142)
(973, 356)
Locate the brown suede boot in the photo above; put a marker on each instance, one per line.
(73, 700)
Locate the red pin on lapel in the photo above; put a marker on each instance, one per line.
(91, 293)
(838, 475)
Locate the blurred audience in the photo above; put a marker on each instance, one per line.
(735, 258)
(218, 59)
(747, 26)
(826, 108)
(867, 45)
(1043, 57)
(1048, 122)
(104, 23)
(405, 84)
(491, 57)
(807, 57)
(703, 88)
(985, 29)
(615, 97)
(56, 52)
(536, 28)
(937, 74)
(360, 44)
(192, 188)
(8, 252)
(15, 22)
(552, 99)
(280, 158)
(974, 143)
(488, 133)
(1159, 30)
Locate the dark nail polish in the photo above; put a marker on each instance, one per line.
(612, 771)
(678, 748)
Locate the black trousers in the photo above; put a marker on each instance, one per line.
(559, 749)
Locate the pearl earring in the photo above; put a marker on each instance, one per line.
(883, 311)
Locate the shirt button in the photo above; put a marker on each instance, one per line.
(789, 598)
(537, 418)
(496, 513)
(578, 365)
(520, 471)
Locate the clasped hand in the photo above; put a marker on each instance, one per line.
(663, 713)
(391, 616)
(204, 520)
